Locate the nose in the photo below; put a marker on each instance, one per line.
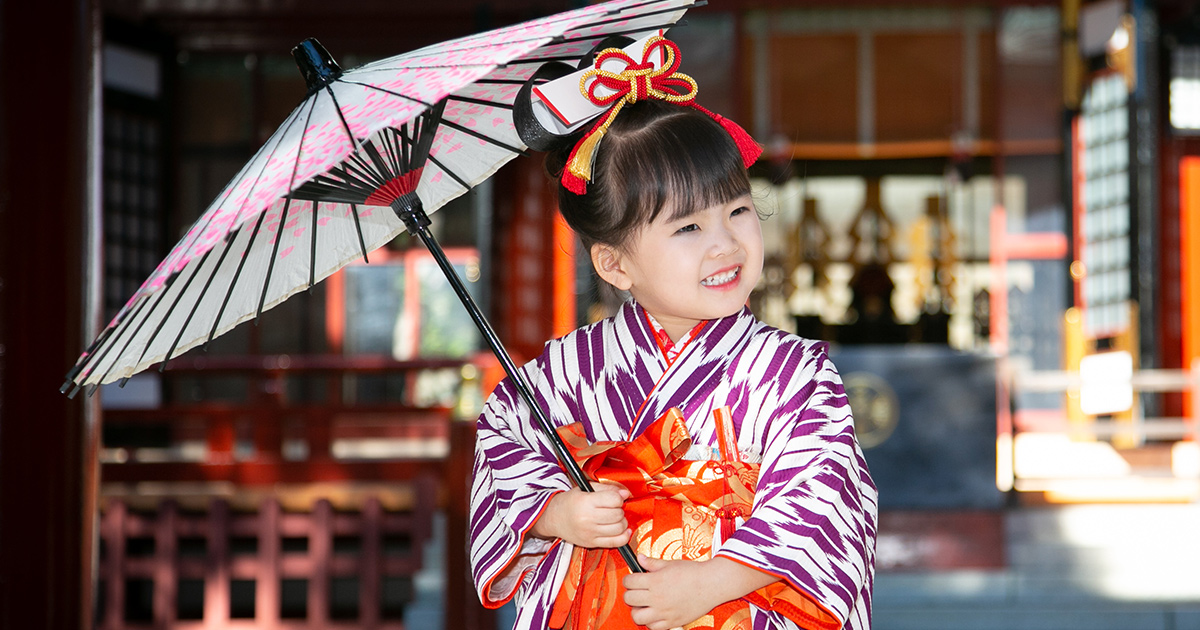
(725, 241)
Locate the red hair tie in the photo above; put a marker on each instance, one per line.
(639, 81)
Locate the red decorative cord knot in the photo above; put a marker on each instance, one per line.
(728, 516)
(639, 81)
(724, 470)
(731, 512)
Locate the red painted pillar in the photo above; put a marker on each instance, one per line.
(48, 470)
(1189, 277)
(113, 533)
(525, 259)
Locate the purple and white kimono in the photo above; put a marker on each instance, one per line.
(814, 513)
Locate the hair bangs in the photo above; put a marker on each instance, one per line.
(712, 175)
(656, 156)
(684, 166)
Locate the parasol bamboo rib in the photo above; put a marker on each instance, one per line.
(358, 227)
(192, 312)
(236, 274)
(287, 204)
(157, 298)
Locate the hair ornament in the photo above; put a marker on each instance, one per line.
(639, 81)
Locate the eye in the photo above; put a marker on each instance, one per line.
(739, 210)
(691, 227)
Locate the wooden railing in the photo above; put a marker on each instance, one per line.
(1136, 427)
(1126, 455)
(197, 533)
(267, 569)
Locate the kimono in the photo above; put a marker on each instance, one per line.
(812, 520)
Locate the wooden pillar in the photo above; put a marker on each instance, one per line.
(221, 438)
(320, 552)
(166, 571)
(371, 566)
(266, 614)
(113, 531)
(47, 442)
(523, 299)
(216, 579)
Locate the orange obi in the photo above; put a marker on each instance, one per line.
(678, 510)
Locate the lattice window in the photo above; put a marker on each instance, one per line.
(1106, 222)
(132, 203)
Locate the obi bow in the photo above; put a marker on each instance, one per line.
(676, 510)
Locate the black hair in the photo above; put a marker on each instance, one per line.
(654, 153)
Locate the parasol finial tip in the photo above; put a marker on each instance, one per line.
(316, 64)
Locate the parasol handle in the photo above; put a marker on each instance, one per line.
(411, 211)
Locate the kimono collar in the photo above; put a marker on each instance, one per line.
(701, 363)
(671, 349)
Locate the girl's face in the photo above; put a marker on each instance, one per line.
(700, 267)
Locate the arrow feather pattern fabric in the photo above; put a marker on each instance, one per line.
(256, 245)
(813, 520)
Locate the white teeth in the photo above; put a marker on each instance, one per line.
(720, 278)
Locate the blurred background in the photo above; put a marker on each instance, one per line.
(990, 209)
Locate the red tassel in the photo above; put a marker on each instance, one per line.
(728, 526)
(749, 149)
(573, 183)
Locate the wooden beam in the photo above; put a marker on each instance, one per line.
(919, 149)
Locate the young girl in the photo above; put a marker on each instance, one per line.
(723, 450)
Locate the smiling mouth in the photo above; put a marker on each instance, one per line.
(724, 277)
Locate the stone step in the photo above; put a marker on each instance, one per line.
(1161, 581)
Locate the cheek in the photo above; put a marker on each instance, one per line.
(753, 243)
(754, 262)
(755, 235)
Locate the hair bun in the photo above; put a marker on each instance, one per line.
(531, 131)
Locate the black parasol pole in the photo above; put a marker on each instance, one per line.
(412, 212)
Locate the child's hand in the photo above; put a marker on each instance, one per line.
(587, 519)
(674, 593)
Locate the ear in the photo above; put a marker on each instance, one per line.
(607, 260)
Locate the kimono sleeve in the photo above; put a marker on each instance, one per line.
(514, 478)
(813, 522)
